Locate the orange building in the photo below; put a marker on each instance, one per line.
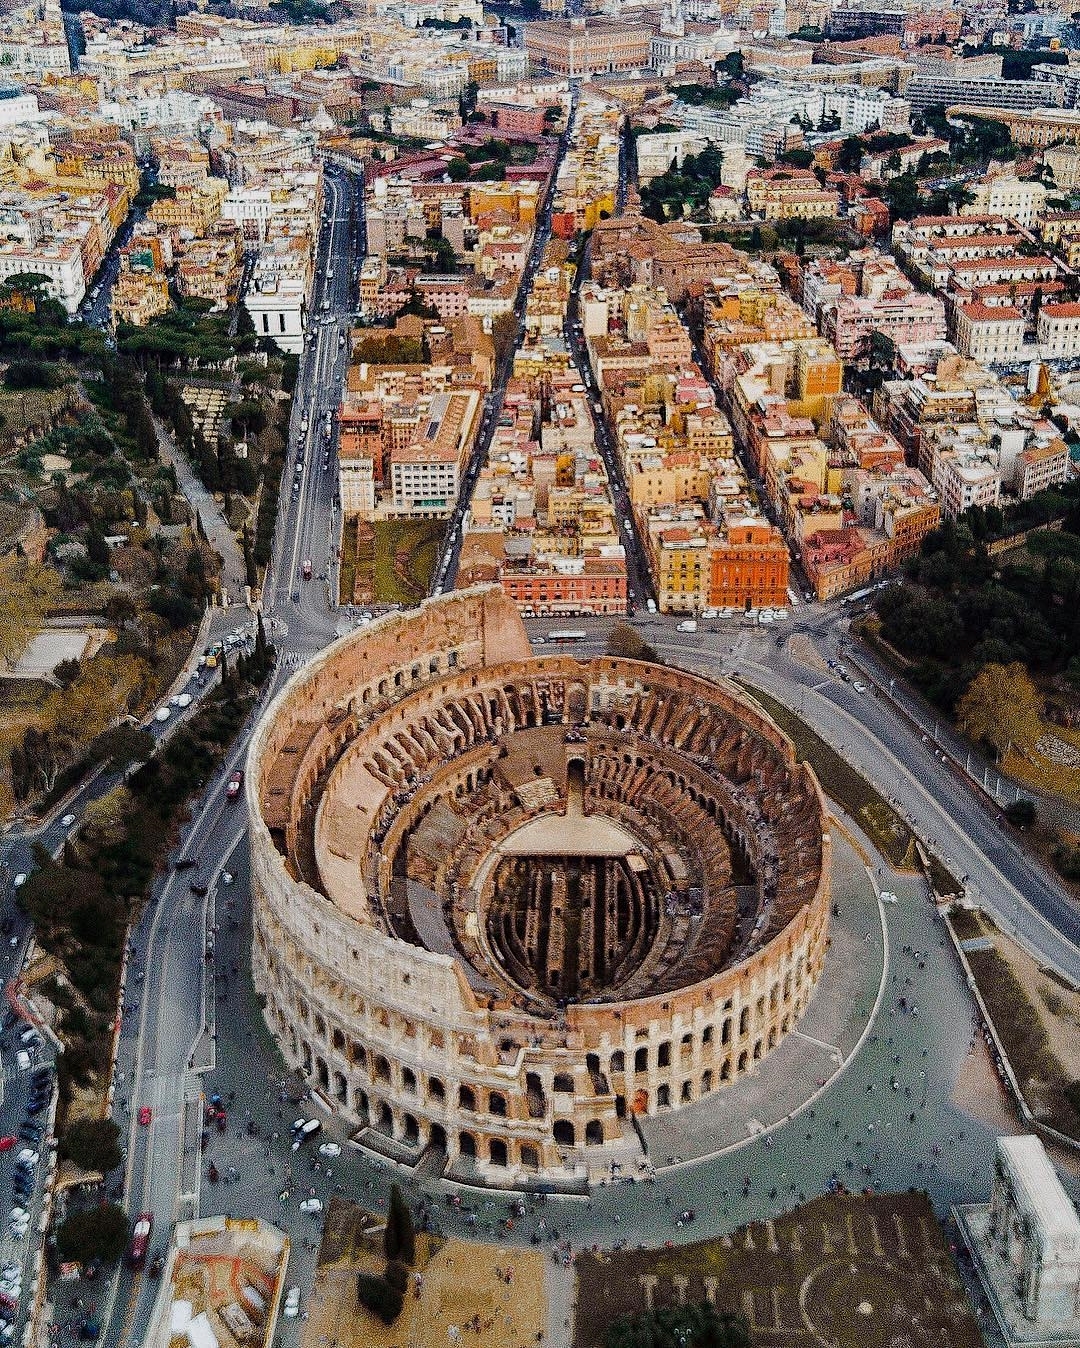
(748, 566)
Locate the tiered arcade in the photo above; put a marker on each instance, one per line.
(504, 903)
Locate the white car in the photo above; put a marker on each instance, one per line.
(181, 700)
(859, 687)
(329, 1149)
(162, 714)
(22, 1060)
(291, 1308)
(28, 1155)
(67, 821)
(227, 877)
(19, 880)
(19, 1214)
(888, 897)
(313, 1206)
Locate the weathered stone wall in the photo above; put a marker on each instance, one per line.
(349, 757)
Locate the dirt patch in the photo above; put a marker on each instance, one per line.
(1037, 1019)
(801, 648)
(854, 1272)
(466, 1293)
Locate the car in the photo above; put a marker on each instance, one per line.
(145, 1115)
(198, 888)
(329, 1149)
(19, 880)
(67, 821)
(162, 715)
(185, 864)
(886, 896)
(859, 687)
(291, 1308)
(234, 785)
(22, 1060)
(35, 1107)
(140, 1238)
(182, 700)
(28, 1157)
(227, 878)
(311, 1206)
(19, 1214)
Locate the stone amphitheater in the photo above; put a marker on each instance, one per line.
(506, 905)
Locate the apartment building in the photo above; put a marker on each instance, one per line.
(1058, 330)
(991, 334)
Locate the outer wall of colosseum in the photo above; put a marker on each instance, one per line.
(402, 739)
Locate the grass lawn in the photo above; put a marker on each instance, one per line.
(853, 1272)
(405, 552)
(840, 781)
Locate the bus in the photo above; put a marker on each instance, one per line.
(567, 636)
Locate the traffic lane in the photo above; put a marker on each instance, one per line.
(940, 811)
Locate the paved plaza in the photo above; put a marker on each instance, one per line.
(914, 1105)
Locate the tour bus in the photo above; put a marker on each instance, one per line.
(567, 636)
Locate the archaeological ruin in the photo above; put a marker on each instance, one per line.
(505, 905)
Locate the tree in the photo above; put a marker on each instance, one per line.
(1022, 813)
(694, 1326)
(100, 1233)
(458, 169)
(850, 154)
(27, 592)
(93, 1144)
(626, 643)
(399, 1238)
(376, 1295)
(123, 745)
(1001, 707)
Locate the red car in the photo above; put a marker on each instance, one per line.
(6, 1143)
(233, 785)
(145, 1115)
(140, 1238)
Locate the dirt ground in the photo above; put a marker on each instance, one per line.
(851, 1272)
(467, 1294)
(1058, 1007)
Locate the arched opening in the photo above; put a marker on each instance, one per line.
(437, 1136)
(757, 1050)
(641, 1060)
(725, 1032)
(618, 1061)
(594, 1133)
(341, 1088)
(706, 1082)
(563, 1132)
(467, 1145)
(772, 1038)
(530, 1158)
(687, 1093)
(436, 1090)
(663, 1058)
(663, 1096)
(744, 1020)
(382, 1069)
(744, 1058)
(466, 1098)
(323, 1073)
(497, 1105)
(386, 1120)
(360, 1103)
(412, 1129)
(408, 1080)
(497, 1151)
(563, 1082)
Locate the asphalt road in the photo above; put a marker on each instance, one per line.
(192, 1022)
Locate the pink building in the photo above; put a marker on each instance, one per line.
(850, 320)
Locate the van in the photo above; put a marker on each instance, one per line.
(650, 604)
(306, 1131)
(687, 625)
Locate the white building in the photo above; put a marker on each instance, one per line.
(1026, 1245)
(992, 334)
(1009, 197)
(60, 261)
(1058, 330)
(277, 303)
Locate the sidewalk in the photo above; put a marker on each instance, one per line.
(220, 535)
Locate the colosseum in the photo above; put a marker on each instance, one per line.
(505, 906)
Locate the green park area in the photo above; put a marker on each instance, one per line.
(388, 561)
(849, 1271)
